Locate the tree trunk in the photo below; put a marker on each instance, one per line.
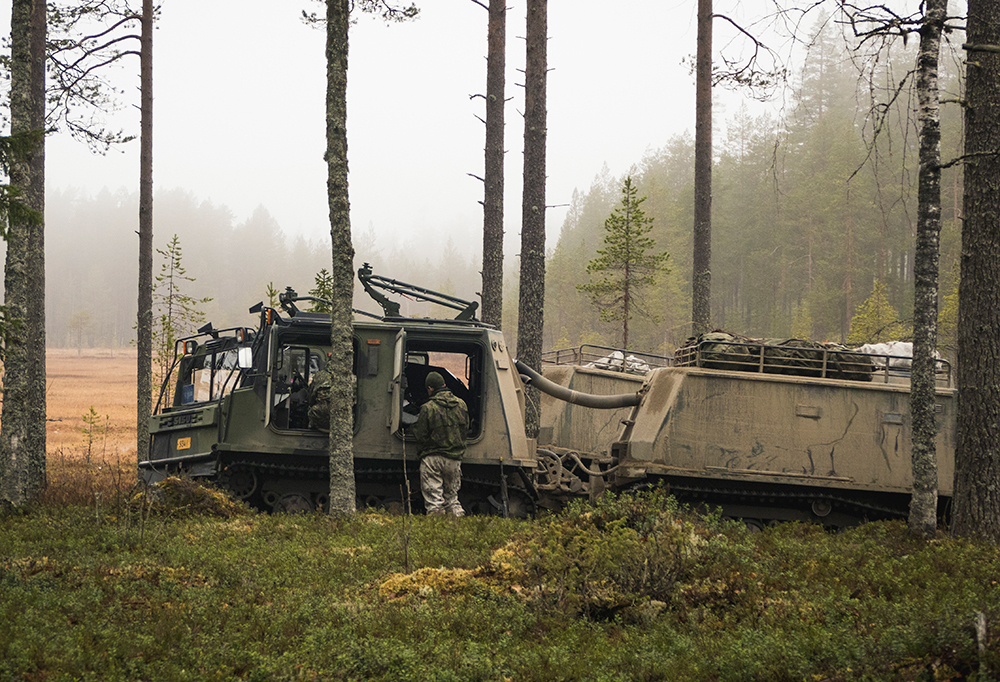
(341, 359)
(144, 318)
(976, 508)
(701, 280)
(22, 434)
(530, 318)
(492, 294)
(923, 504)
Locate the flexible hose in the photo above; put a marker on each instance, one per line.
(600, 402)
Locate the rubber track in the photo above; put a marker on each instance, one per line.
(382, 474)
(763, 498)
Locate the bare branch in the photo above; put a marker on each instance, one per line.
(83, 40)
(966, 157)
(969, 47)
(748, 72)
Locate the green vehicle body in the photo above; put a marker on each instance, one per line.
(243, 424)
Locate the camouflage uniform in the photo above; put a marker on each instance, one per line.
(440, 433)
(318, 396)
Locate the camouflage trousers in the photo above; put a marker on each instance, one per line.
(319, 417)
(440, 480)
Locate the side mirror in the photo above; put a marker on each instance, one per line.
(244, 357)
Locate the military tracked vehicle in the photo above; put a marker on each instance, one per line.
(234, 407)
(766, 431)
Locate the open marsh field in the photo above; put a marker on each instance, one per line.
(95, 378)
(91, 420)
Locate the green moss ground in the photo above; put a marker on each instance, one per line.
(633, 589)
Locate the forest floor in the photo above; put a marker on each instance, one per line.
(98, 581)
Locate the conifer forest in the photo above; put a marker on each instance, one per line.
(813, 211)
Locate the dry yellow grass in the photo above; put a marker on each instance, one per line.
(97, 379)
(80, 465)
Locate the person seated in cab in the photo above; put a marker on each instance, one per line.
(318, 398)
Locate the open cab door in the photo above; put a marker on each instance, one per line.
(396, 387)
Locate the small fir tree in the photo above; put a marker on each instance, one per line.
(175, 314)
(323, 289)
(876, 320)
(802, 322)
(272, 295)
(625, 265)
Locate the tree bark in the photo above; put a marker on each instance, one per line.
(341, 362)
(144, 317)
(701, 280)
(493, 177)
(923, 504)
(531, 303)
(22, 434)
(976, 507)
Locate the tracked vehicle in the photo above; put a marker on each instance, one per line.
(767, 431)
(234, 408)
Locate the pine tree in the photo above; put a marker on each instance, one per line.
(625, 265)
(531, 286)
(493, 178)
(175, 314)
(22, 436)
(342, 250)
(701, 277)
(876, 320)
(976, 502)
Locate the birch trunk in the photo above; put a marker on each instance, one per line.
(923, 504)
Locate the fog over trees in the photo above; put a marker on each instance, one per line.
(92, 265)
(807, 214)
(806, 218)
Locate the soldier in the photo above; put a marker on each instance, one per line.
(440, 433)
(318, 397)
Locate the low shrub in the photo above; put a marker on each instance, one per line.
(606, 559)
(631, 588)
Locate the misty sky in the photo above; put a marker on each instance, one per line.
(239, 111)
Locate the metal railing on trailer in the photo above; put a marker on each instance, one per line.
(604, 357)
(812, 361)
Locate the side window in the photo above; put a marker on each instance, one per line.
(296, 370)
(461, 366)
